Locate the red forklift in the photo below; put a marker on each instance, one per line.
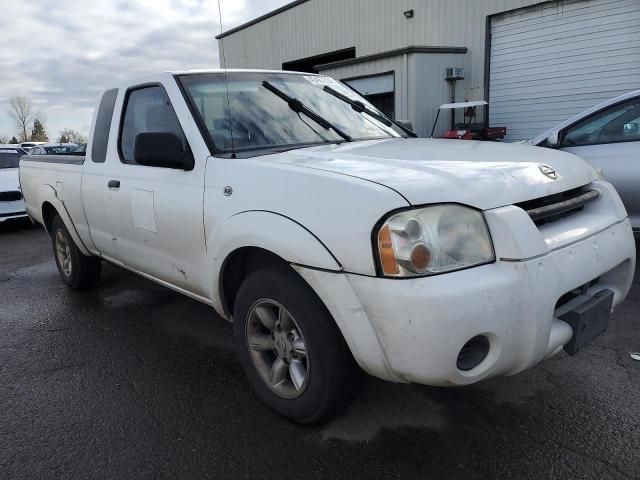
(469, 129)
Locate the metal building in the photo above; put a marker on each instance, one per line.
(537, 63)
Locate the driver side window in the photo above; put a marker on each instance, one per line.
(147, 109)
(619, 123)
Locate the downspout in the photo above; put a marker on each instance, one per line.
(405, 72)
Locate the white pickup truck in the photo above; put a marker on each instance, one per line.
(334, 240)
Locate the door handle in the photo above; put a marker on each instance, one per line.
(114, 184)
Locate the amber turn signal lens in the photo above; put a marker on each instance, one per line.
(420, 257)
(387, 257)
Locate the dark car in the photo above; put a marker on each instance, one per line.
(13, 149)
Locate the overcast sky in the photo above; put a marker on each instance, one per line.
(63, 53)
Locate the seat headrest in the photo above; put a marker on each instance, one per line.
(162, 118)
(221, 124)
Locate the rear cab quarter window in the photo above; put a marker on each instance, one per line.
(102, 128)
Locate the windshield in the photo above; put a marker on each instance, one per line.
(9, 160)
(260, 119)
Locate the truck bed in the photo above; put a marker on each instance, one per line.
(49, 177)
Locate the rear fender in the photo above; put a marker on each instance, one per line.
(48, 194)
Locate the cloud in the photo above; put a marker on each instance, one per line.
(63, 53)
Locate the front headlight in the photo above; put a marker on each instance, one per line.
(432, 240)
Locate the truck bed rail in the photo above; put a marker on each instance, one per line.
(68, 159)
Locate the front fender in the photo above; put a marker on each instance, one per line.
(270, 231)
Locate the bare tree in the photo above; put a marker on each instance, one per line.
(21, 112)
(71, 136)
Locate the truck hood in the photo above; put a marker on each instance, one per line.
(9, 179)
(480, 174)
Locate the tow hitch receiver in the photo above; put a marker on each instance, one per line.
(588, 320)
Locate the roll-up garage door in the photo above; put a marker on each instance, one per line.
(374, 84)
(378, 89)
(554, 60)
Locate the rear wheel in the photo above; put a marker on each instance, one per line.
(78, 271)
(291, 350)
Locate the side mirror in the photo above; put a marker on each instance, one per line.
(553, 140)
(406, 124)
(631, 129)
(161, 149)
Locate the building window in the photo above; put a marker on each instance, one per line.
(378, 89)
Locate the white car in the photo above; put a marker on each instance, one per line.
(608, 137)
(11, 201)
(334, 240)
(30, 145)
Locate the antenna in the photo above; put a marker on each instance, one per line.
(226, 82)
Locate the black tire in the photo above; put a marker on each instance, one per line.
(81, 272)
(333, 377)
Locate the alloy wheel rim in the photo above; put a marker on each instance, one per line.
(277, 348)
(63, 252)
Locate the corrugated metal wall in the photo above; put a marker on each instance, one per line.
(428, 91)
(419, 85)
(372, 26)
(555, 60)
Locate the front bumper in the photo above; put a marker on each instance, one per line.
(412, 330)
(12, 210)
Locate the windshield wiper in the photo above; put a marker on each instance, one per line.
(360, 107)
(299, 107)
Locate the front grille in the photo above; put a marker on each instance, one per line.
(11, 196)
(554, 207)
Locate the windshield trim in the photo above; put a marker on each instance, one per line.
(232, 153)
(248, 152)
(195, 114)
(273, 149)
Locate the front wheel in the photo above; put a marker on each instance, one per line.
(291, 350)
(78, 271)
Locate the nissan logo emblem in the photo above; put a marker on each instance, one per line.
(548, 171)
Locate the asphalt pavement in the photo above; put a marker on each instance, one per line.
(132, 380)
